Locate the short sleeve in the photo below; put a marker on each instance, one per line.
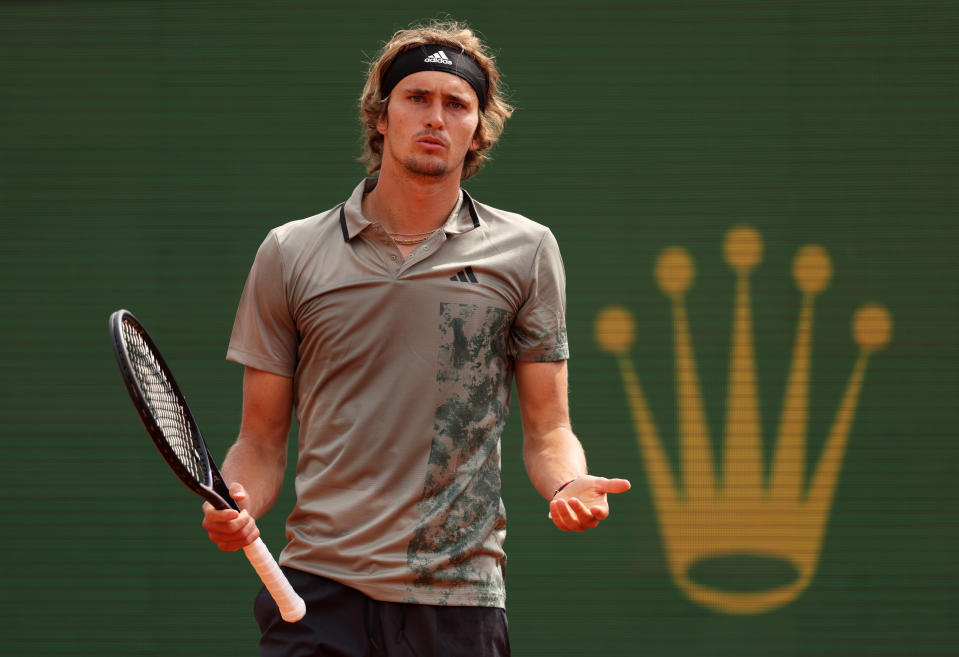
(264, 333)
(539, 329)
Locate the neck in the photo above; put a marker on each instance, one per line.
(411, 205)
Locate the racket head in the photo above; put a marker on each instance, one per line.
(164, 411)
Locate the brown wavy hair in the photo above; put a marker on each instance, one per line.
(448, 33)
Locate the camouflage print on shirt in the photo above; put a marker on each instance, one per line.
(462, 513)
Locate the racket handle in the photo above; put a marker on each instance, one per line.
(292, 607)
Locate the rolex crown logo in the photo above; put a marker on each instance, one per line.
(707, 515)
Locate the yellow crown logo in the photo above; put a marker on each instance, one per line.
(742, 513)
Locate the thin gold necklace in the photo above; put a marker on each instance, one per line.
(416, 237)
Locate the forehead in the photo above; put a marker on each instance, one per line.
(438, 82)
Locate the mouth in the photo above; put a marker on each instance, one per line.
(431, 143)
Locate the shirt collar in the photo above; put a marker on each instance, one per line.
(464, 217)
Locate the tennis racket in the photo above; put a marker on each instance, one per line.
(170, 423)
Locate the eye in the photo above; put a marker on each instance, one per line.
(417, 99)
(455, 105)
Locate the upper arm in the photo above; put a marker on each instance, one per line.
(264, 334)
(267, 407)
(542, 389)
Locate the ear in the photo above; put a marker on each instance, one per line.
(382, 123)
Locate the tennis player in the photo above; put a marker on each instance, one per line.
(394, 324)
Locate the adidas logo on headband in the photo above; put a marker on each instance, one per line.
(438, 58)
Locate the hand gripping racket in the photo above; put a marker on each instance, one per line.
(170, 423)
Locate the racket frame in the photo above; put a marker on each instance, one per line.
(291, 605)
(214, 490)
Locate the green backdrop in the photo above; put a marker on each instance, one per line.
(147, 147)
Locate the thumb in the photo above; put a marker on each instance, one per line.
(615, 485)
(238, 493)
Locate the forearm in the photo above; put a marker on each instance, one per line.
(553, 458)
(553, 453)
(259, 467)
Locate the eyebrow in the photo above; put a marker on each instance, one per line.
(418, 91)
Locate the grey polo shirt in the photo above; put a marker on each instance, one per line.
(402, 371)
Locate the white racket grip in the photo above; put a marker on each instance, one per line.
(292, 607)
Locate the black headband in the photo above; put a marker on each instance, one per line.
(436, 57)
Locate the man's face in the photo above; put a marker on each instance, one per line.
(430, 124)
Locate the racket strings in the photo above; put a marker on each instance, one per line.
(165, 407)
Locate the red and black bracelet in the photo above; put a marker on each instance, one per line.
(556, 492)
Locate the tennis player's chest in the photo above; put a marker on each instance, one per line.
(368, 309)
(372, 278)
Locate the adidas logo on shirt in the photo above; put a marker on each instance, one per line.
(438, 57)
(465, 276)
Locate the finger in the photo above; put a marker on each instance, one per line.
(585, 516)
(231, 546)
(556, 514)
(226, 532)
(563, 516)
(599, 512)
(227, 525)
(234, 534)
(239, 523)
(213, 514)
(229, 542)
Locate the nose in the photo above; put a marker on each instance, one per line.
(434, 115)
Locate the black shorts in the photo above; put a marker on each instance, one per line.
(343, 622)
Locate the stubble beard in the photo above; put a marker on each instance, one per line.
(426, 167)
